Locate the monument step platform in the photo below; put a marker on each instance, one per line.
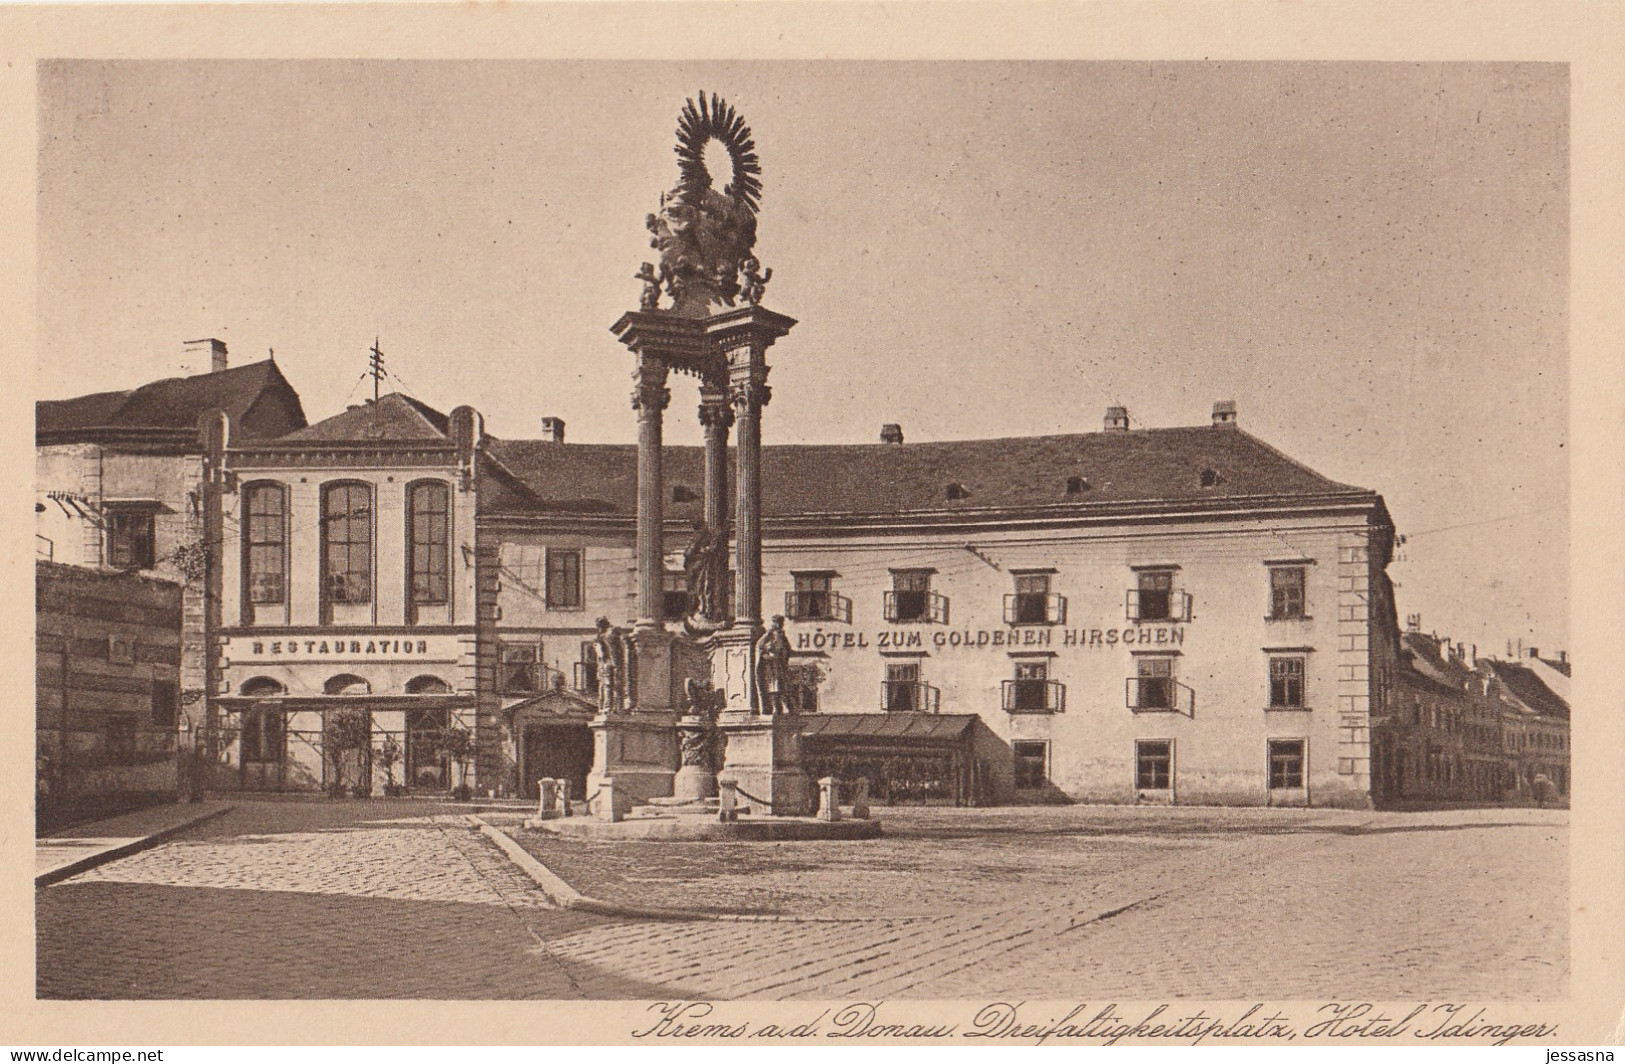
(678, 803)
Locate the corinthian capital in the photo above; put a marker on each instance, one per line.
(715, 411)
(649, 391)
(748, 396)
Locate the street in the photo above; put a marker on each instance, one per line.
(403, 899)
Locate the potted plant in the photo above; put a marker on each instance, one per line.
(457, 744)
(390, 753)
(348, 731)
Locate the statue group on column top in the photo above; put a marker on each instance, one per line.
(705, 237)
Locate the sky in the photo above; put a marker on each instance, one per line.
(1370, 258)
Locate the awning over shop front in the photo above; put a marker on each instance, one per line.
(926, 729)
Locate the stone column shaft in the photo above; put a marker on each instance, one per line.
(649, 398)
(747, 372)
(717, 418)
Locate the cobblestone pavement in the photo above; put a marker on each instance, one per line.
(390, 899)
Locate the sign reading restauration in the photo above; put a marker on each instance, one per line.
(992, 638)
(343, 646)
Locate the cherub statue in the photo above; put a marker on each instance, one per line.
(756, 279)
(650, 299)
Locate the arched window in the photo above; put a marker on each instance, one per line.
(345, 684)
(265, 548)
(428, 543)
(346, 548)
(427, 685)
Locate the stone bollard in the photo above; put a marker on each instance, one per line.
(608, 808)
(727, 801)
(829, 799)
(860, 799)
(564, 797)
(548, 806)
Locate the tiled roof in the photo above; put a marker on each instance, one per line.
(1146, 465)
(173, 404)
(1561, 665)
(1528, 688)
(1421, 663)
(393, 417)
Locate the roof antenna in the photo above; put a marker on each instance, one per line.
(376, 368)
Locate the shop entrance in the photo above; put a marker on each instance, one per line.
(556, 751)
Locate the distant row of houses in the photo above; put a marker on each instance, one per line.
(1472, 729)
(392, 599)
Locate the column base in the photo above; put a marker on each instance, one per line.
(762, 756)
(638, 751)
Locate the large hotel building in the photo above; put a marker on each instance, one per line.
(1180, 615)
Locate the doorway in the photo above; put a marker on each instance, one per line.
(557, 751)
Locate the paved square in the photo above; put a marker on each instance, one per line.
(404, 899)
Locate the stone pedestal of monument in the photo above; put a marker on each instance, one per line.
(762, 757)
(761, 752)
(696, 778)
(637, 746)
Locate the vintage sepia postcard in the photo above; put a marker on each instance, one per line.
(828, 524)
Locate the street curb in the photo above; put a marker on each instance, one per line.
(114, 853)
(565, 896)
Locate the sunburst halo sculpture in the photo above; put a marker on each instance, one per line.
(705, 237)
(718, 121)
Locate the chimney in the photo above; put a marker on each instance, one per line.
(1562, 657)
(1534, 652)
(1117, 419)
(199, 353)
(1224, 414)
(553, 428)
(891, 433)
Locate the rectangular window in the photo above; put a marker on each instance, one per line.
(903, 688)
(347, 544)
(911, 598)
(586, 678)
(563, 579)
(815, 599)
(1153, 764)
(1032, 691)
(674, 590)
(1286, 592)
(129, 539)
(1154, 678)
(1286, 764)
(1032, 764)
(805, 678)
(166, 703)
(265, 544)
(1156, 591)
(1286, 683)
(519, 670)
(428, 543)
(1033, 603)
(812, 596)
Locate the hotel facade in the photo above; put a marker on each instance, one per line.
(1131, 616)
(1156, 616)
